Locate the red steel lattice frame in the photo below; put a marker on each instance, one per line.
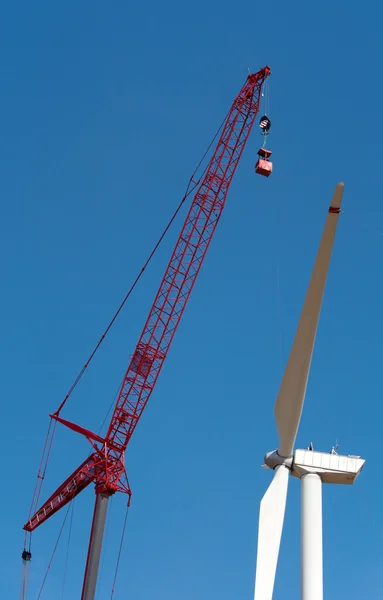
(105, 467)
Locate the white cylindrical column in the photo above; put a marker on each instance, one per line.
(311, 538)
(95, 545)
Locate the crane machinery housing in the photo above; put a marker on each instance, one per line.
(105, 466)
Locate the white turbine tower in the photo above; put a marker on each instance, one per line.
(312, 468)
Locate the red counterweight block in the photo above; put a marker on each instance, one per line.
(264, 166)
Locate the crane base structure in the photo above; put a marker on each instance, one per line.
(105, 467)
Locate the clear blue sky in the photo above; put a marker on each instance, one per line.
(105, 110)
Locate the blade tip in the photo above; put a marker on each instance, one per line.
(337, 196)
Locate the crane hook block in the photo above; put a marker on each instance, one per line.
(264, 166)
(265, 124)
(26, 556)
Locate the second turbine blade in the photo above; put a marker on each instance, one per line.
(271, 517)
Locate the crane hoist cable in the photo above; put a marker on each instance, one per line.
(67, 550)
(54, 551)
(119, 553)
(264, 121)
(189, 190)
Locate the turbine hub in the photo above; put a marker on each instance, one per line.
(273, 459)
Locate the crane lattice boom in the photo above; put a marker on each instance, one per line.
(105, 467)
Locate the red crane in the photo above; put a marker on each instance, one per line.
(105, 467)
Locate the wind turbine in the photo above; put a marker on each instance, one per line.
(312, 468)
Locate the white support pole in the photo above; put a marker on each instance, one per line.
(311, 538)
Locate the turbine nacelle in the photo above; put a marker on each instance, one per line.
(331, 467)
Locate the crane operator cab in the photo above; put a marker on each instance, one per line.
(264, 166)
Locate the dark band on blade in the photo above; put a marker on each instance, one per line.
(334, 209)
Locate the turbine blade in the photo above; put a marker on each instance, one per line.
(271, 519)
(289, 403)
